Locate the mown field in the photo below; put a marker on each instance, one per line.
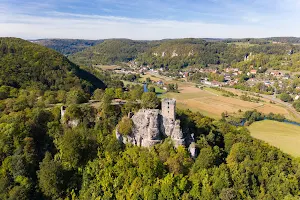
(107, 67)
(281, 135)
(213, 104)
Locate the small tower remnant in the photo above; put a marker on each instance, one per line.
(168, 108)
(62, 112)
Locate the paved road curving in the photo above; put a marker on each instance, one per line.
(288, 106)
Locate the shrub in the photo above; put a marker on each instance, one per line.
(125, 126)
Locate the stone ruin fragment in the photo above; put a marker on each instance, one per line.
(152, 126)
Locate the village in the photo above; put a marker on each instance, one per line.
(269, 81)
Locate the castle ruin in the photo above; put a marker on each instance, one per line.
(70, 123)
(168, 108)
(152, 126)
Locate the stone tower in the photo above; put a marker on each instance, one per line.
(168, 108)
(62, 112)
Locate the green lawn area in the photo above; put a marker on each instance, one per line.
(157, 89)
(212, 90)
(281, 135)
(184, 103)
(243, 44)
(131, 83)
(107, 67)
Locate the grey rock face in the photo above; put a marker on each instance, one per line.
(62, 112)
(193, 150)
(73, 123)
(146, 130)
(151, 126)
(70, 123)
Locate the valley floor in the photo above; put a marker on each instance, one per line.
(284, 136)
(212, 103)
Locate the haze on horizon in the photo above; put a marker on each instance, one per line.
(148, 19)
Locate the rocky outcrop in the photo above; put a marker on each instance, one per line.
(146, 129)
(193, 150)
(70, 123)
(174, 54)
(152, 126)
(191, 53)
(248, 57)
(172, 129)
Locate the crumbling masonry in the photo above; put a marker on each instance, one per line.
(151, 126)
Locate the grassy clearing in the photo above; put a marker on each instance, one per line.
(157, 89)
(281, 135)
(131, 83)
(152, 77)
(211, 90)
(243, 44)
(211, 103)
(107, 67)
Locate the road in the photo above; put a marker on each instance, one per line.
(273, 98)
(288, 106)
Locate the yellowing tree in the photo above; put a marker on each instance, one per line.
(125, 126)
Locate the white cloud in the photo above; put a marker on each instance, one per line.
(68, 25)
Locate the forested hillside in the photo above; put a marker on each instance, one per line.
(176, 54)
(289, 40)
(24, 64)
(67, 46)
(42, 157)
(47, 155)
(110, 52)
(180, 53)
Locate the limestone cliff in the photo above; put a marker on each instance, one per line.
(146, 129)
(151, 126)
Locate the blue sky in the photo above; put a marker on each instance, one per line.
(148, 19)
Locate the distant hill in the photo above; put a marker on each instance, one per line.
(185, 52)
(23, 64)
(111, 52)
(67, 46)
(179, 53)
(288, 40)
(293, 40)
(165, 52)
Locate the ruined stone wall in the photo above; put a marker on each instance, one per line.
(146, 129)
(70, 123)
(151, 126)
(62, 112)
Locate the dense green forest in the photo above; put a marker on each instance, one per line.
(72, 46)
(41, 157)
(110, 52)
(180, 53)
(24, 64)
(67, 46)
(289, 40)
(44, 156)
